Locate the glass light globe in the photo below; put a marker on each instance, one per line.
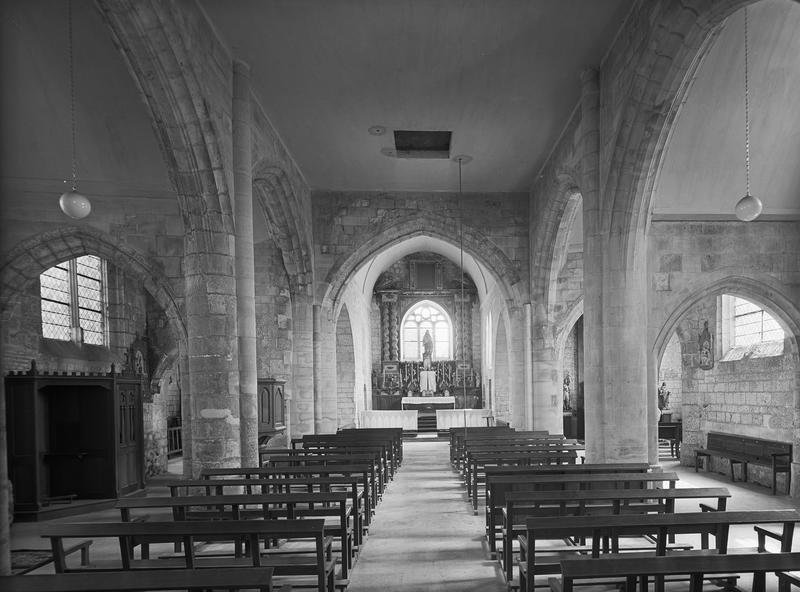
(75, 205)
(749, 208)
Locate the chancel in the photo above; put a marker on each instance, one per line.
(415, 264)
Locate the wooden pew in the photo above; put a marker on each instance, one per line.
(603, 533)
(364, 471)
(352, 484)
(142, 581)
(497, 486)
(460, 440)
(478, 463)
(521, 505)
(696, 568)
(744, 450)
(301, 457)
(393, 445)
(377, 475)
(269, 506)
(315, 562)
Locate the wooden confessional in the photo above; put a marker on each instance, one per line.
(72, 437)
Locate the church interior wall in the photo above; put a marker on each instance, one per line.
(135, 323)
(754, 396)
(697, 261)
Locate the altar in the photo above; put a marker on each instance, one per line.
(432, 401)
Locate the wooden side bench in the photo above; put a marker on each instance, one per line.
(744, 450)
(638, 569)
(129, 581)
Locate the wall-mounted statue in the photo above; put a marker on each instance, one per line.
(567, 393)
(706, 348)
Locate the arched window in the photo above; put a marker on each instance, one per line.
(748, 330)
(73, 301)
(426, 316)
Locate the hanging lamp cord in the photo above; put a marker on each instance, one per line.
(463, 302)
(746, 109)
(72, 97)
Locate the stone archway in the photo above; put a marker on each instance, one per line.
(698, 410)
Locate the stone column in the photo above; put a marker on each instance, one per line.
(302, 403)
(518, 401)
(547, 389)
(245, 267)
(615, 322)
(527, 366)
(325, 389)
(212, 350)
(592, 265)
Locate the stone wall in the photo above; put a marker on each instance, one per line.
(690, 264)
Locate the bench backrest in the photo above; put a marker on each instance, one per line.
(747, 446)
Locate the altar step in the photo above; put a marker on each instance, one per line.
(426, 423)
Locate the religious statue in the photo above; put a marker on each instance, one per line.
(663, 397)
(427, 345)
(706, 348)
(567, 393)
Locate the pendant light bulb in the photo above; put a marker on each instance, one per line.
(74, 204)
(748, 208)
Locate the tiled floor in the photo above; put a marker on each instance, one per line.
(425, 537)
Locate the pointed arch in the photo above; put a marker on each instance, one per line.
(29, 259)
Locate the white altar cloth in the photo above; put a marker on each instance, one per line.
(427, 401)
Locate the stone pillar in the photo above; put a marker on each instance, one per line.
(615, 322)
(592, 265)
(245, 267)
(212, 350)
(547, 389)
(528, 366)
(302, 403)
(519, 403)
(325, 388)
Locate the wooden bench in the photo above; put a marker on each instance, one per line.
(312, 562)
(352, 484)
(135, 581)
(477, 464)
(603, 533)
(363, 471)
(744, 450)
(393, 447)
(44, 557)
(639, 569)
(377, 475)
(498, 486)
(267, 506)
(522, 505)
(786, 579)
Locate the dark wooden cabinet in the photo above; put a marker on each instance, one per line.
(271, 408)
(73, 437)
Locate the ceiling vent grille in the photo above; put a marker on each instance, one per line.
(422, 144)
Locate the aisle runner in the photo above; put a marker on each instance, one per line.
(424, 536)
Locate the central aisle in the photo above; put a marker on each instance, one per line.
(424, 535)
